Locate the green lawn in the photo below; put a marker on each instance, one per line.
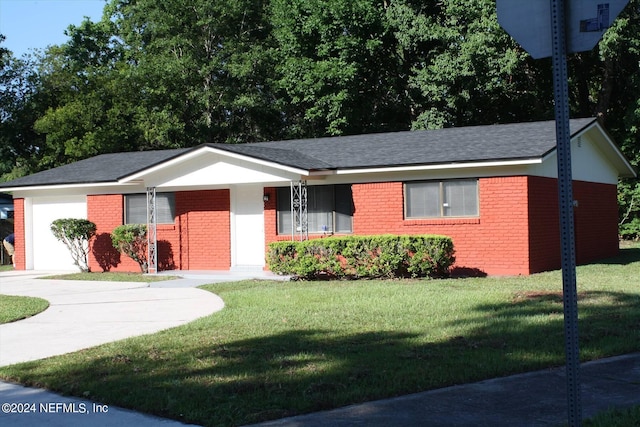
(616, 418)
(284, 348)
(14, 308)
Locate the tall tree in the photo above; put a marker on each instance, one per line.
(202, 68)
(467, 69)
(615, 96)
(20, 105)
(339, 67)
(91, 102)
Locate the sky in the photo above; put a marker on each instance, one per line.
(36, 24)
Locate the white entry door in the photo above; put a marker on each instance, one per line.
(247, 227)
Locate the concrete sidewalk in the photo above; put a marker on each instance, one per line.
(30, 407)
(526, 400)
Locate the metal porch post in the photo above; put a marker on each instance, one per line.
(299, 217)
(152, 238)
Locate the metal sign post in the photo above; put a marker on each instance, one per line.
(550, 28)
(565, 205)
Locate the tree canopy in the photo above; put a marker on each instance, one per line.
(153, 75)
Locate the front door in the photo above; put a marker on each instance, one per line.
(247, 227)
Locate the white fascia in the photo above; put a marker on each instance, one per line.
(64, 187)
(196, 153)
(534, 161)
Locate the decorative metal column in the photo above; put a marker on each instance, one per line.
(299, 218)
(152, 238)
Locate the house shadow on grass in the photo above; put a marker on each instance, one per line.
(464, 272)
(626, 256)
(214, 379)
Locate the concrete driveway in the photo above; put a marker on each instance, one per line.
(84, 314)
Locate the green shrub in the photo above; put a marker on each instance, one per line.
(630, 230)
(384, 256)
(75, 233)
(131, 240)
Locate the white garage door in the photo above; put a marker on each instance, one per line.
(48, 252)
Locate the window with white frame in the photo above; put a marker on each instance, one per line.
(329, 209)
(437, 199)
(135, 208)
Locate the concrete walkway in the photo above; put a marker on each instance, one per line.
(84, 314)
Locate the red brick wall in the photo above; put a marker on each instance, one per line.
(516, 232)
(19, 256)
(494, 243)
(544, 224)
(595, 222)
(199, 239)
(107, 211)
(502, 246)
(596, 219)
(270, 220)
(204, 238)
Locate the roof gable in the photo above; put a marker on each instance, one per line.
(208, 167)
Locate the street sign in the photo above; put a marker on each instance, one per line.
(555, 28)
(529, 23)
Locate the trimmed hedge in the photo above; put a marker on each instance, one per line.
(355, 257)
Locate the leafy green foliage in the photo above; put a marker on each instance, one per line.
(20, 105)
(131, 240)
(76, 234)
(629, 205)
(363, 257)
(202, 72)
(338, 67)
(468, 70)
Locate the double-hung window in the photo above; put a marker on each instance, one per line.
(135, 208)
(329, 209)
(437, 199)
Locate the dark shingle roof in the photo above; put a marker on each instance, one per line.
(431, 147)
(98, 169)
(441, 146)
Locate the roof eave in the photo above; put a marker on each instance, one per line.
(39, 187)
(442, 166)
